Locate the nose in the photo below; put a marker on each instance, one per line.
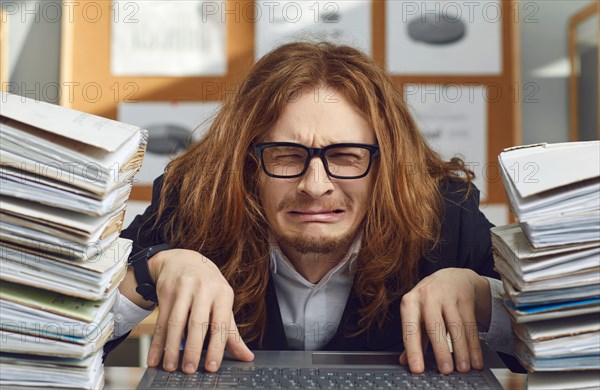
(315, 181)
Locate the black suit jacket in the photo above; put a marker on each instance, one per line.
(465, 243)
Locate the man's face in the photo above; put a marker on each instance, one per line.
(316, 213)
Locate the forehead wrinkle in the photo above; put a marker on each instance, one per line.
(317, 140)
(313, 123)
(313, 138)
(312, 135)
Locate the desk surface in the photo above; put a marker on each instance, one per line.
(128, 378)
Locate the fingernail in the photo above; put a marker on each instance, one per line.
(190, 367)
(212, 365)
(446, 367)
(463, 366)
(169, 366)
(152, 361)
(477, 363)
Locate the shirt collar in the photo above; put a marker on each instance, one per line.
(277, 257)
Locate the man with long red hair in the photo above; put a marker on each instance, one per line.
(313, 215)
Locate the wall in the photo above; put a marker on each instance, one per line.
(34, 47)
(34, 57)
(544, 68)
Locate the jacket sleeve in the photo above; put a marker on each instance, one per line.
(465, 239)
(143, 232)
(475, 241)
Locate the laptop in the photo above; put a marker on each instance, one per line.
(324, 370)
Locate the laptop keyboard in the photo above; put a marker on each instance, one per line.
(322, 378)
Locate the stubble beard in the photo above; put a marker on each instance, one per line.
(309, 243)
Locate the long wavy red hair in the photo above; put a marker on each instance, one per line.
(210, 193)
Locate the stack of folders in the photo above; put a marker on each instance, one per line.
(554, 190)
(550, 260)
(65, 177)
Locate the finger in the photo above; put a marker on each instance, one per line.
(221, 318)
(159, 337)
(472, 336)
(197, 328)
(424, 342)
(157, 345)
(235, 345)
(436, 332)
(460, 344)
(175, 328)
(411, 317)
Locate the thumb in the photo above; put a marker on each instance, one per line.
(236, 346)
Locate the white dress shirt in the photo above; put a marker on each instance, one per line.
(312, 312)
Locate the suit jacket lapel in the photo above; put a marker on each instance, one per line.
(389, 338)
(341, 340)
(275, 338)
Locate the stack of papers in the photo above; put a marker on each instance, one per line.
(553, 296)
(550, 260)
(67, 147)
(554, 190)
(37, 322)
(66, 177)
(42, 371)
(555, 275)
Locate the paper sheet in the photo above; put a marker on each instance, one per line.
(168, 38)
(453, 119)
(478, 50)
(341, 22)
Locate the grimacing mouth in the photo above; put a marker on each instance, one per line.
(336, 211)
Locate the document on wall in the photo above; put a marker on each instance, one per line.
(168, 38)
(444, 37)
(453, 119)
(341, 22)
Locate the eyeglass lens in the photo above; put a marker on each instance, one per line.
(342, 161)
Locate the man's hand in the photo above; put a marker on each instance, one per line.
(445, 301)
(192, 292)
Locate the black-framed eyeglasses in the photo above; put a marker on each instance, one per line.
(288, 160)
